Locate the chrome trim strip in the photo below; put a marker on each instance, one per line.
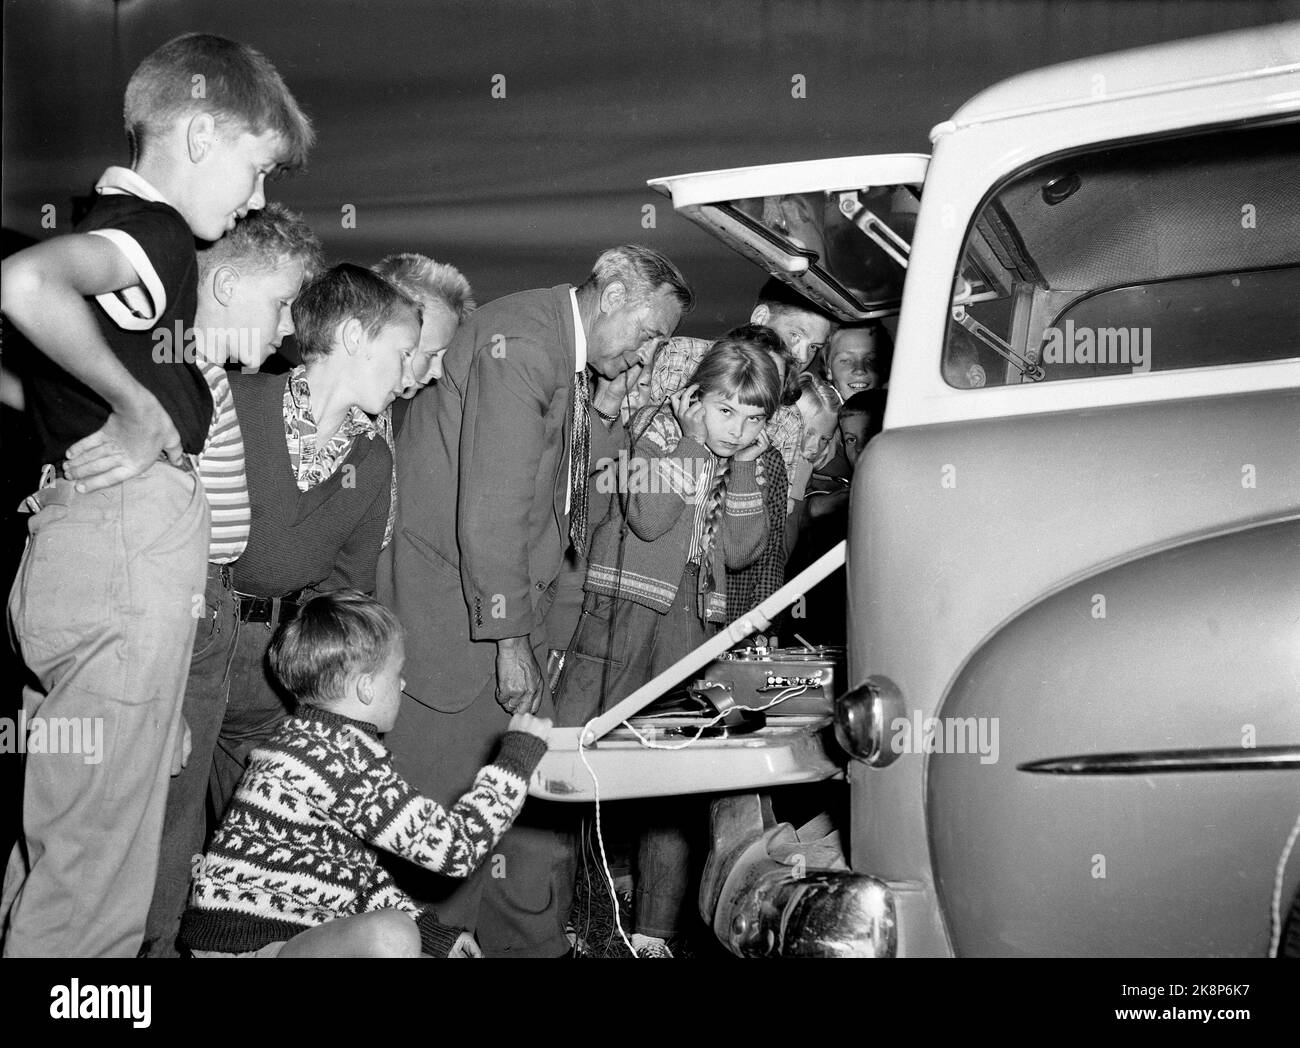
(1146, 762)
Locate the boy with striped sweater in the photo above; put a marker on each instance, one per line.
(293, 871)
(247, 283)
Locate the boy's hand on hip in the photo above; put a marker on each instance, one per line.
(124, 447)
(520, 682)
(526, 722)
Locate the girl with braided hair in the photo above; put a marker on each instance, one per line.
(689, 506)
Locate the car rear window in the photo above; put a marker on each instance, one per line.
(1156, 256)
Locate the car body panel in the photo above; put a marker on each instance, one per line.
(1037, 504)
(1199, 648)
(1170, 69)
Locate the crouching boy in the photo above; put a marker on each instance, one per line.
(293, 870)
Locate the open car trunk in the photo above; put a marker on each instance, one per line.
(839, 232)
(621, 755)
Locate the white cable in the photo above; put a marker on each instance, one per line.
(786, 693)
(600, 840)
(1275, 914)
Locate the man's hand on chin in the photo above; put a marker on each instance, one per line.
(521, 685)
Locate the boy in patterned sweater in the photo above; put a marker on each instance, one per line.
(293, 871)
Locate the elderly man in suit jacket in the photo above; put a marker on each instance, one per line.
(492, 470)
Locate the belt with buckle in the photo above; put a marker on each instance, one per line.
(269, 609)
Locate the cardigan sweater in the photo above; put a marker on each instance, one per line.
(750, 586)
(666, 478)
(327, 537)
(298, 846)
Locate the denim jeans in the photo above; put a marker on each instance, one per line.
(253, 712)
(185, 821)
(102, 611)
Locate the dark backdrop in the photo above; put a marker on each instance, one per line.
(600, 95)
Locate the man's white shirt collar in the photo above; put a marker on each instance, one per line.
(579, 337)
(124, 180)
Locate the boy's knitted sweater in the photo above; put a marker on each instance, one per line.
(664, 490)
(297, 847)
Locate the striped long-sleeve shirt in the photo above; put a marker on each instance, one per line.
(221, 468)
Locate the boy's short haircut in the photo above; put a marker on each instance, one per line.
(421, 277)
(643, 271)
(335, 636)
(263, 240)
(882, 357)
(344, 291)
(870, 402)
(780, 297)
(201, 73)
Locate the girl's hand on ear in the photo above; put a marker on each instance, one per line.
(752, 451)
(689, 413)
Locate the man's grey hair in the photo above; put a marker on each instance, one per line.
(643, 271)
(423, 278)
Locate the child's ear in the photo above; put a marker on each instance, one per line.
(366, 689)
(224, 280)
(200, 135)
(760, 316)
(351, 334)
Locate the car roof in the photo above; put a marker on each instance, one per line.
(1259, 52)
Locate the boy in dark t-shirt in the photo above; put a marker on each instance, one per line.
(111, 584)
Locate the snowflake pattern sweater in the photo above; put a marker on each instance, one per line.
(297, 847)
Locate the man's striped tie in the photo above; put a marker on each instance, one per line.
(579, 465)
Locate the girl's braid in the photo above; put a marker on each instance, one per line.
(717, 499)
